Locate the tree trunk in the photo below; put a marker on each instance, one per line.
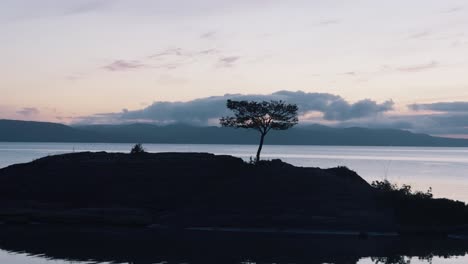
(257, 159)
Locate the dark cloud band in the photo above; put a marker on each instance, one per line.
(201, 111)
(442, 107)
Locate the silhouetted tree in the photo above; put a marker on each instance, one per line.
(262, 116)
(137, 149)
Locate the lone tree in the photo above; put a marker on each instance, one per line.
(137, 149)
(262, 116)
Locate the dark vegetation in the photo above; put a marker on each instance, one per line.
(412, 208)
(405, 191)
(261, 116)
(137, 149)
(20, 131)
(198, 189)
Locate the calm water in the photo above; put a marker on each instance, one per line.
(8, 257)
(33, 245)
(443, 169)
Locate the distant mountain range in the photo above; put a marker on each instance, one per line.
(28, 131)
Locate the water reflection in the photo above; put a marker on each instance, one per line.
(395, 260)
(149, 246)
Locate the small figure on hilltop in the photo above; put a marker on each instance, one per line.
(137, 149)
(262, 116)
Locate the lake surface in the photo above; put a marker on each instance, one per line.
(65, 245)
(9, 257)
(443, 169)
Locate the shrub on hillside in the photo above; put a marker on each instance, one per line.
(137, 149)
(416, 208)
(403, 191)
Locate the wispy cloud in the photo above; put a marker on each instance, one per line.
(169, 66)
(75, 77)
(452, 10)
(209, 51)
(350, 73)
(366, 75)
(169, 52)
(446, 107)
(208, 35)
(168, 59)
(228, 62)
(419, 35)
(181, 53)
(328, 22)
(125, 65)
(418, 67)
(87, 6)
(28, 111)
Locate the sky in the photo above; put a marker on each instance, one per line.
(373, 63)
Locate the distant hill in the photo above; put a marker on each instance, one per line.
(23, 131)
(29, 131)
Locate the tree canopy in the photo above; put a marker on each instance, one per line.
(262, 116)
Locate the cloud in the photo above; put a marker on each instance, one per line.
(75, 77)
(391, 69)
(169, 52)
(342, 110)
(204, 111)
(418, 67)
(26, 10)
(87, 6)
(446, 107)
(181, 53)
(350, 73)
(451, 118)
(28, 111)
(452, 10)
(433, 124)
(208, 35)
(436, 124)
(168, 59)
(125, 65)
(444, 118)
(172, 58)
(209, 51)
(328, 22)
(228, 62)
(419, 35)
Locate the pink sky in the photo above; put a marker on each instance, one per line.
(67, 59)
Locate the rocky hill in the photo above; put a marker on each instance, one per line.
(186, 190)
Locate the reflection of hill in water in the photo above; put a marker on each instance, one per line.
(148, 246)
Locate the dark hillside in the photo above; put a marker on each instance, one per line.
(204, 190)
(195, 190)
